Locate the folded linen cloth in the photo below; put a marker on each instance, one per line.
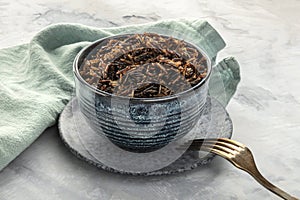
(36, 79)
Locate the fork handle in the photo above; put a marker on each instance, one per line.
(264, 182)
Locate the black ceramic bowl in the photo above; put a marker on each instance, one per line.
(139, 124)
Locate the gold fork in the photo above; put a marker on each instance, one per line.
(240, 156)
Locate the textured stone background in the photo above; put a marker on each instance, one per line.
(262, 34)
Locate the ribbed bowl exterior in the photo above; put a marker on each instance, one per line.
(137, 125)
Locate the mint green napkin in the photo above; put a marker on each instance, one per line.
(36, 79)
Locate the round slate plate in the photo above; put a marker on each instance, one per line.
(213, 124)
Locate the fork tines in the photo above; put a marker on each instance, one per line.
(223, 144)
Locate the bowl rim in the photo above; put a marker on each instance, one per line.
(143, 100)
